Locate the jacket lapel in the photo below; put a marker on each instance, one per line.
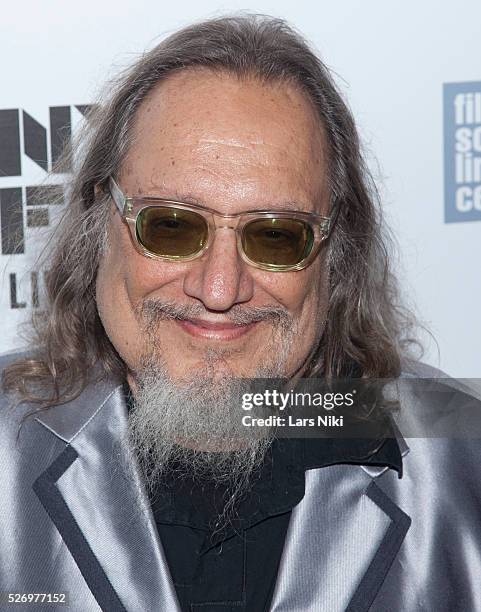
(341, 542)
(97, 502)
(342, 538)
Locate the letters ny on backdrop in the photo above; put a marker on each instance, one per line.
(29, 152)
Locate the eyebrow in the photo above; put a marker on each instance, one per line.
(187, 198)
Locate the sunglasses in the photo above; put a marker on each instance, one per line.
(274, 240)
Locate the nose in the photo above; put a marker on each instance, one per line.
(219, 279)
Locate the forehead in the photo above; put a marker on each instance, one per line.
(223, 141)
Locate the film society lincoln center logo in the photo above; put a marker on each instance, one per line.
(28, 151)
(462, 151)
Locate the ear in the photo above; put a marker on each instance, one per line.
(98, 191)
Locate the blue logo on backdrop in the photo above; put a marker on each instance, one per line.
(462, 151)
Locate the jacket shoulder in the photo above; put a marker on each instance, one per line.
(9, 357)
(418, 369)
(11, 410)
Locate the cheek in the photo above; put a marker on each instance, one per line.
(312, 307)
(112, 300)
(305, 294)
(119, 288)
(131, 275)
(298, 291)
(145, 273)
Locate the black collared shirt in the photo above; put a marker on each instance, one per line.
(233, 567)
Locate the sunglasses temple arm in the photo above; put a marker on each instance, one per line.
(117, 195)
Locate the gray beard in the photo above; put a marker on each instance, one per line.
(196, 424)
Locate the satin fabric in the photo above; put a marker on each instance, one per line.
(74, 519)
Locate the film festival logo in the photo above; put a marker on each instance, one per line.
(22, 136)
(462, 151)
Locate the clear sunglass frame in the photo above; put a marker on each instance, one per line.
(131, 207)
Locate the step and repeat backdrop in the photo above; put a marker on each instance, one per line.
(410, 72)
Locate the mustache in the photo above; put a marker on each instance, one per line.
(154, 311)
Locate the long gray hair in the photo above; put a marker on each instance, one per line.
(367, 329)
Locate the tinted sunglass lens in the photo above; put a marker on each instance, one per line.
(277, 241)
(171, 232)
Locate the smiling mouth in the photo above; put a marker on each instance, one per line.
(215, 331)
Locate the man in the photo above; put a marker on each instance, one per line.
(221, 226)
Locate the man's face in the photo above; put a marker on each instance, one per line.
(232, 145)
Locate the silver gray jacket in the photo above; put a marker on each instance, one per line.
(75, 519)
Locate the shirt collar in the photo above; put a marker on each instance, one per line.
(276, 488)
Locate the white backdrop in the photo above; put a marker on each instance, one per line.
(391, 59)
